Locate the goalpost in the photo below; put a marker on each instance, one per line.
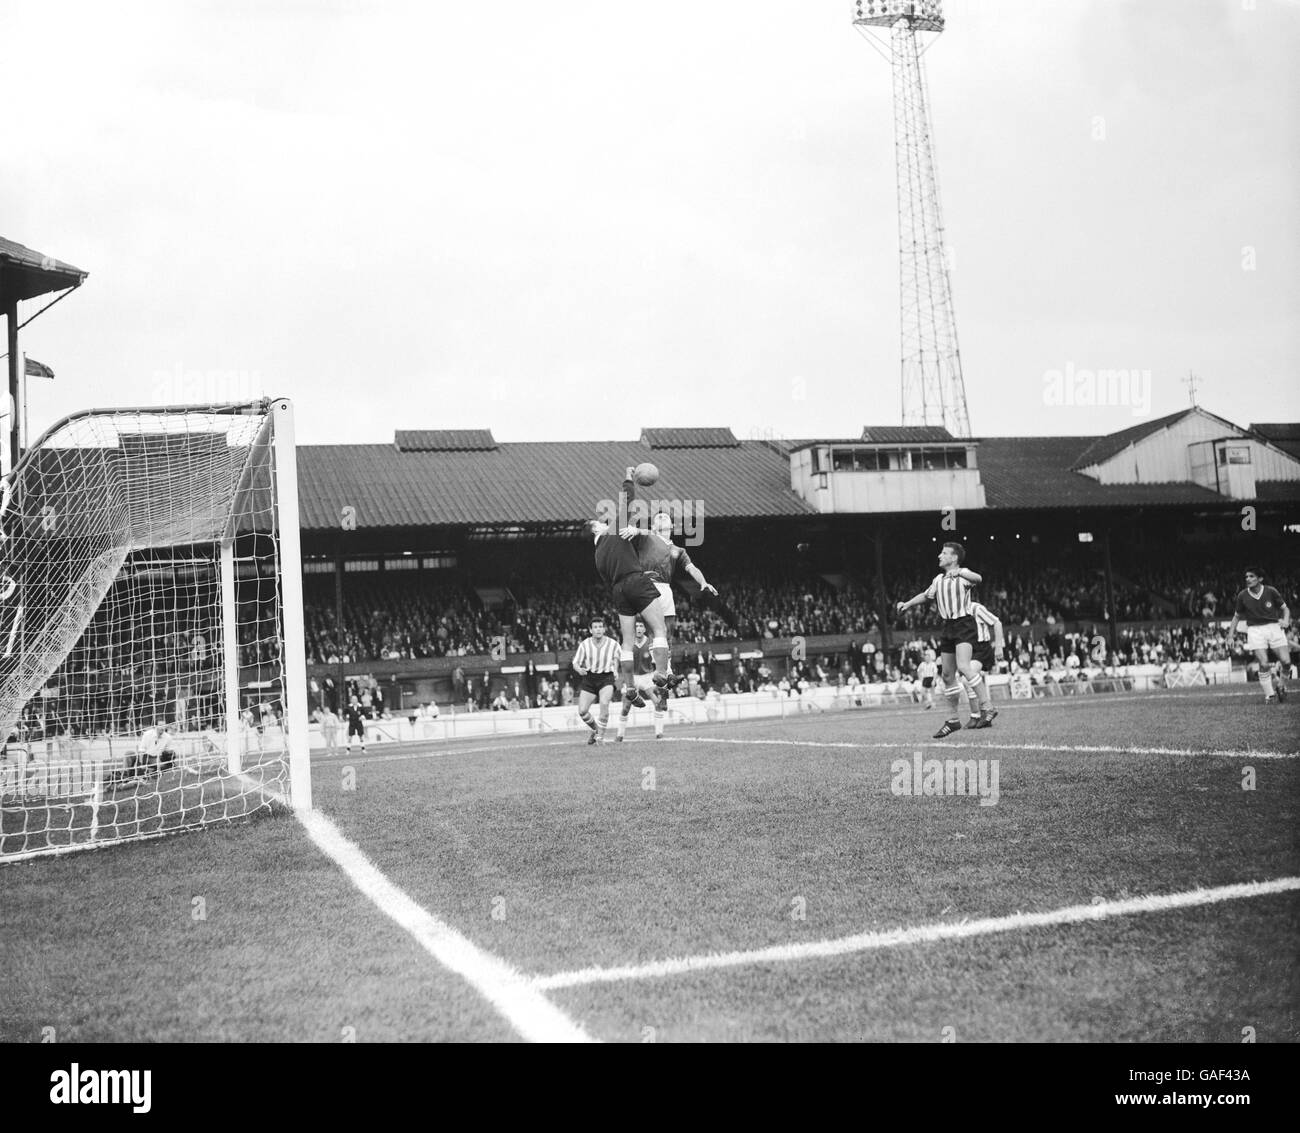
(152, 657)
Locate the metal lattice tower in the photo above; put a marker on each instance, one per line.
(934, 392)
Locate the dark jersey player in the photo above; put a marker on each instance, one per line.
(1267, 618)
(632, 590)
(643, 667)
(666, 564)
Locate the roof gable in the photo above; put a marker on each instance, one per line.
(1104, 448)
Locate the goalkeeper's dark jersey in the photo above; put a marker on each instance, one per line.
(615, 556)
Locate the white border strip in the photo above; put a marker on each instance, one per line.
(533, 1016)
(924, 934)
(522, 1005)
(993, 745)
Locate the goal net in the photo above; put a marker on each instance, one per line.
(152, 674)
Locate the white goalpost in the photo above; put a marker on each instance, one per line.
(152, 654)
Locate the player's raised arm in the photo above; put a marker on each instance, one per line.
(970, 576)
(919, 599)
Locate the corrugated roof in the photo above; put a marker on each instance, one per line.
(539, 482)
(25, 273)
(906, 434)
(1277, 491)
(1285, 436)
(564, 481)
(444, 440)
(689, 438)
(1039, 472)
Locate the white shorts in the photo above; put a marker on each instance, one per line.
(666, 605)
(1265, 637)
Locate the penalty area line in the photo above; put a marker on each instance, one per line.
(993, 745)
(923, 934)
(513, 994)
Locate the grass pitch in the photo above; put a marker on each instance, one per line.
(558, 858)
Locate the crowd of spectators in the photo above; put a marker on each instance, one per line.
(403, 617)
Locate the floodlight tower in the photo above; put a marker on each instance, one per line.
(934, 392)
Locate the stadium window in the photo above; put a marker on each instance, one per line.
(1085, 536)
(318, 566)
(956, 458)
(401, 564)
(360, 566)
(868, 460)
(842, 460)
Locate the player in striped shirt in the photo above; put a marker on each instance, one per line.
(989, 644)
(1267, 618)
(950, 592)
(596, 662)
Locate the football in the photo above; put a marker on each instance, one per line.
(645, 474)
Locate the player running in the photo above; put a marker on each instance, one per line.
(1267, 619)
(950, 592)
(984, 657)
(595, 662)
(633, 591)
(643, 678)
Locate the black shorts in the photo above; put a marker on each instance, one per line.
(983, 653)
(634, 592)
(927, 682)
(594, 682)
(958, 631)
(356, 729)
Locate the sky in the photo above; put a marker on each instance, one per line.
(574, 220)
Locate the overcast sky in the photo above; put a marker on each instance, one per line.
(575, 219)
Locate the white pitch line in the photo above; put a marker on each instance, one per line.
(924, 934)
(993, 745)
(513, 994)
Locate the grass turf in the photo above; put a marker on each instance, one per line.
(555, 856)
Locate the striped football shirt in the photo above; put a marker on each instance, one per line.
(598, 657)
(985, 620)
(951, 594)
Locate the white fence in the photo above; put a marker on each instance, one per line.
(739, 707)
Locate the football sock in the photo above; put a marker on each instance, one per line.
(659, 721)
(603, 723)
(585, 717)
(659, 650)
(954, 699)
(980, 690)
(1266, 680)
(622, 722)
(625, 667)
